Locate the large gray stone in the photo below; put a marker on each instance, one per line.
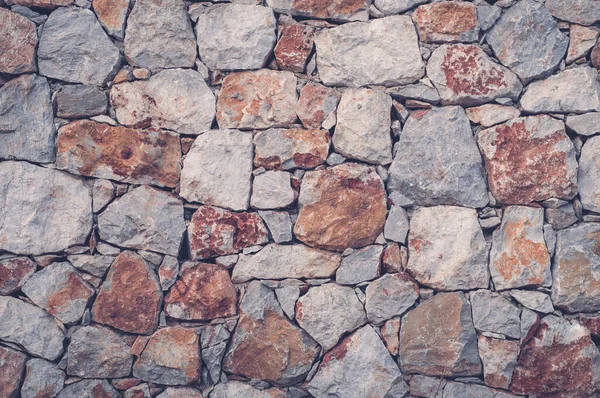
(466, 390)
(532, 299)
(583, 12)
(586, 124)
(26, 120)
(437, 161)
(89, 389)
(588, 177)
(389, 7)
(272, 190)
(389, 296)
(96, 265)
(527, 40)
(493, 313)
(390, 56)
(42, 210)
(360, 266)
(236, 36)
(144, 219)
(80, 100)
(74, 48)
(42, 379)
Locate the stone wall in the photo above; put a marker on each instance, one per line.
(299, 198)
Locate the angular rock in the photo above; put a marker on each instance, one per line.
(389, 296)
(418, 91)
(540, 142)
(527, 40)
(394, 258)
(279, 224)
(294, 46)
(363, 126)
(30, 327)
(27, 122)
(530, 321)
(14, 273)
(562, 217)
(582, 39)
(490, 114)
(336, 10)
(574, 90)
(217, 170)
(286, 261)
(316, 104)
(359, 364)
(171, 357)
(215, 232)
(47, 4)
(60, 290)
(203, 292)
(144, 219)
(389, 7)
(233, 388)
(447, 249)
(390, 331)
(561, 358)
(43, 210)
(452, 21)
(103, 192)
(130, 298)
(180, 392)
(257, 100)
(96, 265)
(493, 313)
(74, 48)
(426, 386)
(396, 225)
(589, 172)
(437, 162)
(360, 266)
(235, 36)
(89, 388)
(499, 358)
(17, 50)
(265, 345)
(328, 311)
(575, 287)
(438, 338)
(145, 48)
(595, 56)
(340, 207)
(118, 153)
(585, 12)
(272, 190)
(168, 272)
(465, 75)
(287, 297)
(534, 300)
(291, 148)
(487, 14)
(174, 99)
(79, 101)
(389, 57)
(42, 379)
(519, 256)
(12, 364)
(112, 15)
(586, 124)
(470, 390)
(97, 352)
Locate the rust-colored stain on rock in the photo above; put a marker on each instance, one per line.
(316, 103)
(329, 8)
(294, 47)
(445, 20)
(73, 289)
(309, 148)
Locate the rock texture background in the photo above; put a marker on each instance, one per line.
(299, 198)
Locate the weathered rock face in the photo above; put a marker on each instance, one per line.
(464, 75)
(74, 48)
(218, 168)
(438, 339)
(586, 124)
(234, 388)
(174, 99)
(272, 190)
(584, 12)
(42, 379)
(389, 7)
(79, 101)
(363, 126)
(337, 10)
(235, 36)
(340, 207)
(118, 153)
(447, 250)
(527, 40)
(26, 122)
(316, 103)
(490, 114)
(89, 388)
(43, 210)
(529, 159)
(389, 296)
(286, 261)
(589, 174)
(48, 4)
(291, 148)
(145, 48)
(519, 256)
(574, 90)
(265, 345)
(581, 41)
(112, 15)
(215, 232)
(14, 273)
(203, 292)
(561, 357)
(437, 162)
(17, 50)
(360, 363)
(38, 332)
(576, 287)
(130, 298)
(360, 266)
(12, 364)
(452, 21)
(389, 57)
(493, 313)
(327, 312)
(499, 358)
(257, 99)
(294, 46)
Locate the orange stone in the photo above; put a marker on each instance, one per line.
(294, 47)
(316, 103)
(448, 21)
(17, 47)
(112, 15)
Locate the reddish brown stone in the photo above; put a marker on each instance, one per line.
(595, 55)
(529, 159)
(125, 384)
(17, 47)
(591, 322)
(451, 21)
(581, 41)
(561, 358)
(12, 364)
(389, 333)
(203, 292)
(111, 15)
(130, 297)
(118, 153)
(215, 232)
(51, 4)
(294, 47)
(291, 148)
(316, 103)
(340, 207)
(14, 272)
(395, 258)
(339, 10)
(499, 358)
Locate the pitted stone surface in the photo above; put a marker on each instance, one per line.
(451, 21)
(17, 50)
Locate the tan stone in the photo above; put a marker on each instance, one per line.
(490, 114)
(316, 103)
(291, 148)
(452, 21)
(12, 364)
(582, 39)
(112, 15)
(338, 10)
(499, 359)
